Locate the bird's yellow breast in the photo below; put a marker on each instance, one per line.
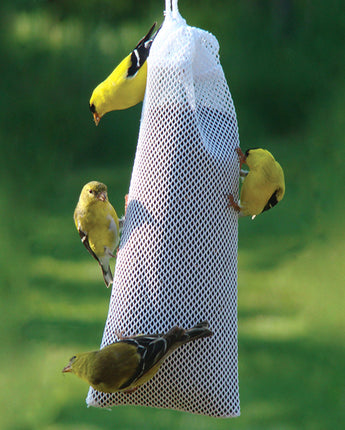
(101, 225)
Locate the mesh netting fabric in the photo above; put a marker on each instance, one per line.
(177, 263)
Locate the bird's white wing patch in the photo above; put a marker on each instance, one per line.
(112, 224)
(136, 53)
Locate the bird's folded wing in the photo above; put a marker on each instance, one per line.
(151, 350)
(85, 240)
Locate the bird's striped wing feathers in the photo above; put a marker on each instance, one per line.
(151, 349)
(85, 240)
(140, 53)
(106, 272)
(271, 202)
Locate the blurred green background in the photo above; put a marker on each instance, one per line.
(284, 61)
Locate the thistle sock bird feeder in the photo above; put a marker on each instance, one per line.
(177, 263)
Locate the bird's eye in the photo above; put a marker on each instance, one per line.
(74, 356)
(91, 191)
(92, 108)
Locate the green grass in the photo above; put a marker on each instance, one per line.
(291, 342)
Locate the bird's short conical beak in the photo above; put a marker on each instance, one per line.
(67, 369)
(102, 197)
(96, 118)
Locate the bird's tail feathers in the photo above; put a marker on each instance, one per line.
(180, 336)
(107, 275)
(142, 42)
(140, 53)
(153, 348)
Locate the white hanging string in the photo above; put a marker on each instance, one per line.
(170, 270)
(168, 4)
(174, 6)
(171, 9)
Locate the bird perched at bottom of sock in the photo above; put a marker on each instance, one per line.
(125, 86)
(132, 361)
(98, 225)
(263, 186)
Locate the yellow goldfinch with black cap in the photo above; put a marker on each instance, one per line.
(132, 361)
(125, 86)
(98, 225)
(263, 186)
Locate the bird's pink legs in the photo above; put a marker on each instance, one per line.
(241, 156)
(233, 204)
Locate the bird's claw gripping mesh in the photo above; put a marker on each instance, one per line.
(177, 263)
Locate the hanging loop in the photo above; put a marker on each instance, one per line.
(168, 7)
(172, 12)
(174, 6)
(171, 7)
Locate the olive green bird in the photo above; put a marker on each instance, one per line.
(263, 186)
(132, 361)
(98, 225)
(125, 86)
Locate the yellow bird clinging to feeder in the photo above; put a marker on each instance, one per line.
(263, 186)
(125, 86)
(132, 361)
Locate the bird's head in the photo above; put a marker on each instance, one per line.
(99, 102)
(253, 151)
(93, 192)
(79, 364)
(69, 367)
(257, 156)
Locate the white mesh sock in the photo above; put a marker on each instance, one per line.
(177, 263)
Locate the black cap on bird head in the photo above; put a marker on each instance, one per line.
(96, 117)
(248, 150)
